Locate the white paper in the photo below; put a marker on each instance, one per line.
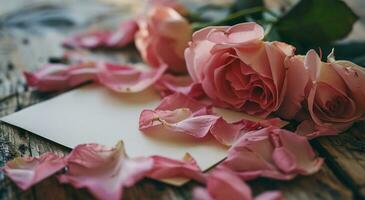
(93, 114)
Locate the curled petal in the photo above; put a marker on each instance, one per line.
(274, 153)
(227, 133)
(109, 39)
(197, 126)
(223, 184)
(59, 77)
(164, 168)
(169, 84)
(28, 171)
(179, 100)
(104, 171)
(124, 78)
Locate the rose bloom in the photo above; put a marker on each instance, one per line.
(162, 37)
(333, 92)
(237, 69)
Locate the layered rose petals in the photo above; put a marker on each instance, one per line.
(331, 92)
(104, 171)
(27, 171)
(123, 36)
(273, 153)
(238, 70)
(124, 78)
(59, 77)
(120, 78)
(190, 117)
(164, 168)
(223, 184)
(179, 113)
(169, 84)
(162, 37)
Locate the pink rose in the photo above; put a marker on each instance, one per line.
(333, 91)
(162, 37)
(237, 69)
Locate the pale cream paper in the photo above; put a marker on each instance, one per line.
(93, 114)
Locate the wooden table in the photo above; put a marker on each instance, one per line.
(32, 36)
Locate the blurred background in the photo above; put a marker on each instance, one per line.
(31, 31)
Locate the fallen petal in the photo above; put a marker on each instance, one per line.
(125, 78)
(169, 84)
(109, 39)
(164, 168)
(28, 171)
(104, 171)
(273, 153)
(59, 77)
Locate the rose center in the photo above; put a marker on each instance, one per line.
(336, 106)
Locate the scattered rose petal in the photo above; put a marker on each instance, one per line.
(104, 171)
(124, 78)
(117, 39)
(180, 120)
(169, 84)
(168, 168)
(274, 153)
(120, 78)
(28, 171)
(227, 133)
(59, 77)
(179, 113)
(223, 184)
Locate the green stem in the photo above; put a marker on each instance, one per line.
(232, 17)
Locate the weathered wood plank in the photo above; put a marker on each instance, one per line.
(345, 155)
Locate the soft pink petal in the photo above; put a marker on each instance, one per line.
(124, 78)
(274, 153)
(239, 34)
(197, 126)
(297, 80)
(227, 133)
(169, 84)
(109, 39)
(28, 171)
(58, 77)
(223, 185)
(162, 38)
(104, 171)
(164, 168)
(179, 100)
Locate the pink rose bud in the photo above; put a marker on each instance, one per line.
(237, 69)
(162, 37)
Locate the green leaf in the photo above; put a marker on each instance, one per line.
(312, 23)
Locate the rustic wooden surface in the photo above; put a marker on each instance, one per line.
(31, 37)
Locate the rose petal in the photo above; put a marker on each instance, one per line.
(120, 38)
(123, 78)
(223, 184)
(169, 84)
(295, 94)
(164, 168)
(179, 100)
(58, 77)
(197, 126)
(274, 153)
(28, 171)
(104, 171)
